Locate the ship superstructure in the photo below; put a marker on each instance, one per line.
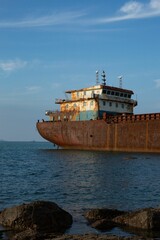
(94, 103)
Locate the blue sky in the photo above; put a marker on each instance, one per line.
(49, 46)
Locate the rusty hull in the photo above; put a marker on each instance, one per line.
(140, 134)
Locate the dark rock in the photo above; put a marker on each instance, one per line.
(101, 219)
(39, 216)
(103, 225)
(80, 237)
(104, 213)
(148, 218)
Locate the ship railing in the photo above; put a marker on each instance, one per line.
(132, 117)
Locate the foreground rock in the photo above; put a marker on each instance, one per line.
(148, 219)
(102, 219)
(77, 237)
(41, 216)
(145, 222)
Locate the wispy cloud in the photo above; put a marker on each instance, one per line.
(43, 21)
(157, 82)
(130, 10)
(12, 65)
(133, 10)
(33, 89)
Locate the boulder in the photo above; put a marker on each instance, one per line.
(148, 219)
(39, 216)
(102, 218)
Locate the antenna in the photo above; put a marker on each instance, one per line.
(104, 78)
(120, 81)
(97, 77)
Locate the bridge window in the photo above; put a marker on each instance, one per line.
(116, 105)
(104, 103)
(110, 104)
(108, 92)
(104, 91)
(121, 95)
(91, 103)
(122, 105)
(129, 95)
(117, 93)
(112, 93)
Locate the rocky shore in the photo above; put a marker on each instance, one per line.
(42, 220)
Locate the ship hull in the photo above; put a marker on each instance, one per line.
(129, 136)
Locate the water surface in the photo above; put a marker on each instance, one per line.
(77, 180)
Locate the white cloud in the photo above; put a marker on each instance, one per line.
(130, 10)
(155, 4)
(157, 82)
(33, 89)
(132, 7)
(135, 10)
(49, 20)
(12, 65)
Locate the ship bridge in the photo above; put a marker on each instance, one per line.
(93, 102)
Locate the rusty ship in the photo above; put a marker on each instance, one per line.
(101, 117)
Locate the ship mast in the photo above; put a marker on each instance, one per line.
(120, 81)
(104, 78)
(97, 77)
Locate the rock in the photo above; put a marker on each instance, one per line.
(102, 213)
(39, 216)
(103, 225)
(148, 219)
(79, 237)
(102, 218)
(144, 222)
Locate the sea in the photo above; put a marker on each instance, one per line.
(78, 180)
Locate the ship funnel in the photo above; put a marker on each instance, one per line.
(104, 78)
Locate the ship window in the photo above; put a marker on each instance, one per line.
(110, 104)
(122, 105)
(129, 95)
(84, 92)
(66, 105)
(121, 95)
(104, 103)
(125, 95)
(77, 94)
(112, 93)
(91, 103)
(59, 118)
(84, 104)
(116, 105)
(104, 91)
(117, 93)
(92, 94)
(75, 105)
(108, 92)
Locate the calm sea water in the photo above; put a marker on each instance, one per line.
(77, 180)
